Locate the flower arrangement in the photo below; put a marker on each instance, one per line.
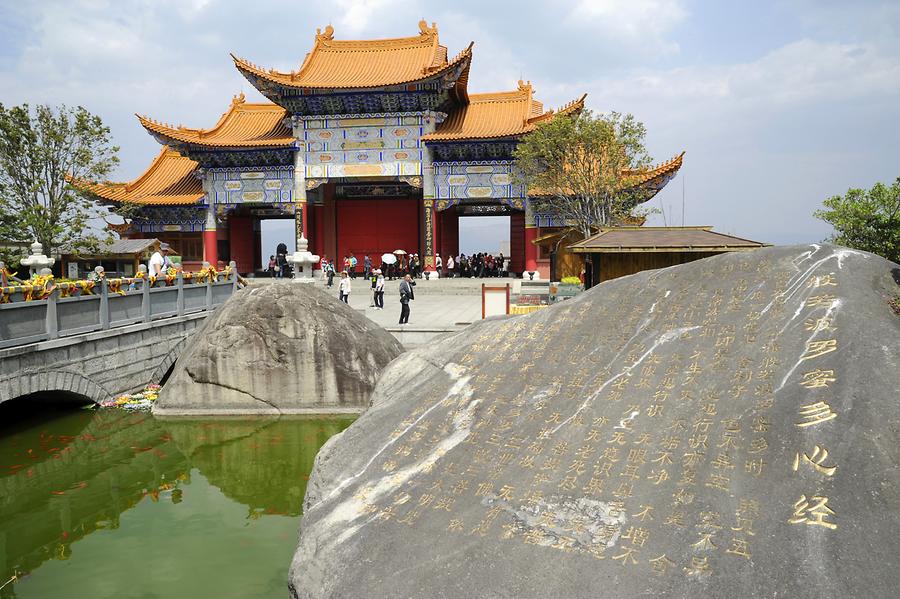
(142, 400)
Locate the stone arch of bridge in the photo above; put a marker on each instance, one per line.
(162, 371)
(65, 382)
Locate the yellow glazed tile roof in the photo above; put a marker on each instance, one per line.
(669, 167)
(498, 114)
(646, 177)
(242, 125)
(349, 64)
(169, 180)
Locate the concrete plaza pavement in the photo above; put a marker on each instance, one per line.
(431, 314)
(440, 306)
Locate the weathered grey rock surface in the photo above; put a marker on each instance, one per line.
(725, 428)
(280, 348)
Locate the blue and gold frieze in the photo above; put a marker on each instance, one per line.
(170, 219)
(269, 185)
(363, 145)
(475, 180)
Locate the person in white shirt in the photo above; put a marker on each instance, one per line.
(344, 287)
(379, 290)
(450, 266)
(439, 265)
(157, 264)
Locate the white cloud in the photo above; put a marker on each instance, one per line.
(358, 15)
(769, 137)
(643, 25)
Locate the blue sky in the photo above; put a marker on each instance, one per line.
(777, 104)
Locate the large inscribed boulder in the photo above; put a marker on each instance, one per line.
(725, 428)
(278, 349)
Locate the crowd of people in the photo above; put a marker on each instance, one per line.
(480, 265)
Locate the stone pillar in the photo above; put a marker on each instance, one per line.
(429, 235)
(210, 243)
(430, 122)
(301, 219)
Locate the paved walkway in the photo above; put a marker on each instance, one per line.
(428, 311)
(440, 306)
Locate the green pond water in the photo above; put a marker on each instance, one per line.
(106, 503)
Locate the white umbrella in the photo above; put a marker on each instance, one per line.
(399, 252)
(388, 258)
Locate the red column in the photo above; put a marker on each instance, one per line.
(210, 247)
(530, 250)
(317, 243)
(240, 239)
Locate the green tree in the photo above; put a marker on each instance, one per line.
(866, 219)
(42, 151)
(582, 168)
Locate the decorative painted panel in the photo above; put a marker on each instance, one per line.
(168, 219)
(269, 185)
(495, 180)
(364, 145)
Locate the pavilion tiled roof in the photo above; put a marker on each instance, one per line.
(653, 178)
(242, 125)
(660, 171)
(169, 181)
(498, 114)
(661, 239)
(353, 64)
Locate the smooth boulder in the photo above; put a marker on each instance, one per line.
(280, 348)
(724, 428)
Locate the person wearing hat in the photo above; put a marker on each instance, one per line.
(379, 290)
(156, 267)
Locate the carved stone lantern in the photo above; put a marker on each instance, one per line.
(37, 261)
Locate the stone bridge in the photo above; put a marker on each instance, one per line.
(99, 345)
(97, 365)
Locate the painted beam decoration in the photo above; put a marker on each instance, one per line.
(270, 185)
(170, 219)
(380, 145)
(478, 180)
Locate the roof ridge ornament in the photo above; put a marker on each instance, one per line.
(238, 99)
(327, 36)
(425, 30)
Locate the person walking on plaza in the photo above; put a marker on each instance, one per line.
(438, 265)
(353, 263)
(344, 287)
(367, 266)
(281, 260)
(450, 266)
(373, 278)
(329, 272)
(272, 265)
(379, 290)
(406, 294)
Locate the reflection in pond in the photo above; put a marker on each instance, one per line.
(115, 504)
